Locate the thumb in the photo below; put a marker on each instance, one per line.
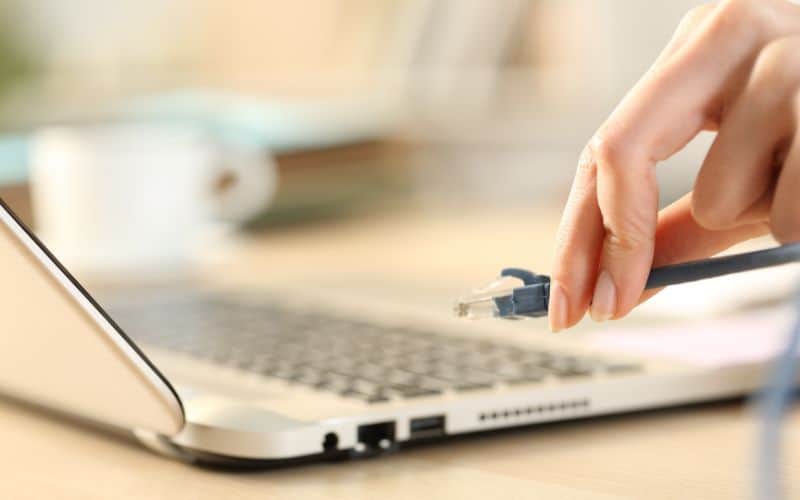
(627, 195)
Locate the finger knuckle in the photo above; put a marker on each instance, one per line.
(738, 18)
(697, 14)
(707, 212)
(777, 67)
(610, 152)
(737, 11)
(630, 228)
(626, 242)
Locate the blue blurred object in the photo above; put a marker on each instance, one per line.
(775, 400)
(241, 121)
(279, 125)
(13, 159)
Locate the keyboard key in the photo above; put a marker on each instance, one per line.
(472, 386)
(352, 358)
(419, 392)
(617, 368)
(352, 393)
(524, 379)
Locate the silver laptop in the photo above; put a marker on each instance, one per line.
(247, 380)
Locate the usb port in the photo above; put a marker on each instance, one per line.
(426, 427)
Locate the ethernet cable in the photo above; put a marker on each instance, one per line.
(520, 294)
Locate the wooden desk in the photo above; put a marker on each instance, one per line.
(693, 453)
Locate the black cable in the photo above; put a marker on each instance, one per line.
(778, 394)
(720, 266)
(533, 298)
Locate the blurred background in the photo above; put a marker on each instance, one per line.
(470, 90)
(308, 114)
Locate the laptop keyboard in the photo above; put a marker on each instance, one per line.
(352, 358)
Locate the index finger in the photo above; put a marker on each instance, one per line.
(610, 219)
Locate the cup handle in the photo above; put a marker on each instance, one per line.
(243, 183)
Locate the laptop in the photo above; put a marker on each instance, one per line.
(249, 379)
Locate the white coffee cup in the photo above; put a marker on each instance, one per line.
(140, 200)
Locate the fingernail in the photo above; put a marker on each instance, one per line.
(557, 307)
(604, 301)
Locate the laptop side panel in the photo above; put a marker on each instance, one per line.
(59, 349)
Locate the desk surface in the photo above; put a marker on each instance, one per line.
(696, 452)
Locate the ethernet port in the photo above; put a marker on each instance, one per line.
(375, 438)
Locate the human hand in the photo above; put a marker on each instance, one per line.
(732, 67)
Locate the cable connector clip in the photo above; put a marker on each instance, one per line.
(519, 294)
(516, 294)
